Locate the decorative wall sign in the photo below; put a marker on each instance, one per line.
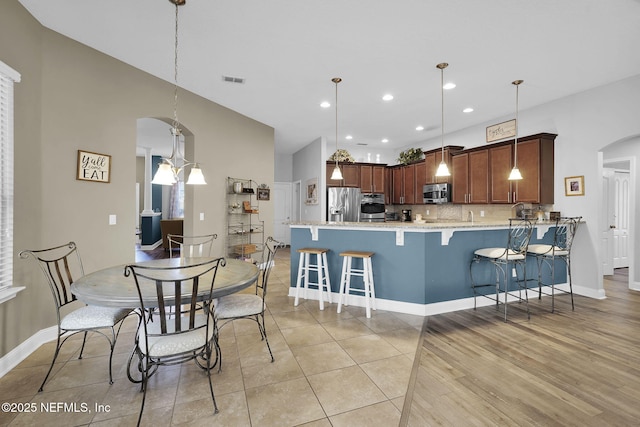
(94, 167)
(312, 192)
(264, 194)
(501, 130)
(574, 186)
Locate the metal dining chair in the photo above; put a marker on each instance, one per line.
(504, 259)
(61, 265)
(250, 306)
(560, 250)
(191, 246)
(164, 339)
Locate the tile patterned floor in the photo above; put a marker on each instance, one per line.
(330, 370)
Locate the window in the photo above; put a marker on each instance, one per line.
(8, 77)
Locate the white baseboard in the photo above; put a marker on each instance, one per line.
(22, 351)
(151, 247)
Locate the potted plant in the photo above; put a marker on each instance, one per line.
(409, 156)
(341, 155)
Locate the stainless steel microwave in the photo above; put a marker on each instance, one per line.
(436, 193)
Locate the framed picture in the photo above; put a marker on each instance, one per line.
(312, 192)
(574, 186)
(264, 194)
(93, 167)
(501, 130)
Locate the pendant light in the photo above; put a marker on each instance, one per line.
(169, 170)
(337, 174)
(443, 170)
(515, 172)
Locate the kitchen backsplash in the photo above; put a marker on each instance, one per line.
(456, 212)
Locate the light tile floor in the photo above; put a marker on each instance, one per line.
(330, 370)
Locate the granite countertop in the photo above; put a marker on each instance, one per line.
(427, 225)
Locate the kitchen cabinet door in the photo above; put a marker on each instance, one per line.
(397, 178)
(479, 176)
(409, 173)
(366, 178)
(535, 161)
(350, 175)
(378, 178)
(420, 180)
(430, 168)
(460, 178)
(500, 163)
(332, 182)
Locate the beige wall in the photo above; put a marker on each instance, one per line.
(72, 97)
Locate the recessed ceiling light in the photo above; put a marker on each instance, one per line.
(385, 140)
(467, 110)
(325, 104)
(449, 85)
(387, 97)
(419, 128)
(348, 137)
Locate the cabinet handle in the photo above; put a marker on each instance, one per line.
(509, 197)
(465, 197)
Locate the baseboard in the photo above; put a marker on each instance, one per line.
(22, 351)
(151, 247)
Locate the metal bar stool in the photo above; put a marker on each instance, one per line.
(560, 250)
(504, 259)
(366, 272)
(321, 267)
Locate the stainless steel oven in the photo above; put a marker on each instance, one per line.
(436, 193)
(372, 207)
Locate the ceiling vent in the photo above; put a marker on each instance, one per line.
(362, 143)
(231, 79)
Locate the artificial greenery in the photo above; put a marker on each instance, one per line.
(341, 155)
(410, 155)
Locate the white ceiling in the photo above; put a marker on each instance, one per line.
(288, 51)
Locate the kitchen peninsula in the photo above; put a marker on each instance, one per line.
(418, 268)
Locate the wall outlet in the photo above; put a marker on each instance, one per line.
(481, 213)
(427, 211)
(112, 219)
(201, 216)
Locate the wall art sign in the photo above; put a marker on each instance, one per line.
(93, 167)
(501, 130)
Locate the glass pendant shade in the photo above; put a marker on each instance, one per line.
(443, 170)
(337, 174)
(515, 174)
(164, 175)
(196, 177)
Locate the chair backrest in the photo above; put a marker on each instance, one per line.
(187, 285)
(520, 231)
(191, 246)
(61, 265)
(271, 247)
(565, 231)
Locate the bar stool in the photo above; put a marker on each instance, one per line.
(321, 267)
(564, 233)
(504, 259)
(366, 272)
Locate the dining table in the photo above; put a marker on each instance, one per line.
(111, 287)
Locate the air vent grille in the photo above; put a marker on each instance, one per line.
(231, 79)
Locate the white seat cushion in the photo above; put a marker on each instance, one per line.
(499, 253)
(238, 305)
(93, 317)
(546, 250)
(167, 345)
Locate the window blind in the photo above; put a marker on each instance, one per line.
(7, 78)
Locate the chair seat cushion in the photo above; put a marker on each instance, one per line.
(167, 345)
(93, 317)
(499, 253)
(238, 305)
(547, 250)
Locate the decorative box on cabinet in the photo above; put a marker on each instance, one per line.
(245, 231)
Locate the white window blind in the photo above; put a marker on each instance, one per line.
(8, 77)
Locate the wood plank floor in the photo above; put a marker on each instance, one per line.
(568, 368)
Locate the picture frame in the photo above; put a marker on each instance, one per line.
(264, 194)
(574, 186)
(94, 167)
(312, 192)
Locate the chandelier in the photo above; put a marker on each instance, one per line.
(169, 170)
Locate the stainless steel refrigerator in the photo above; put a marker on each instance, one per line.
(343, 204)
